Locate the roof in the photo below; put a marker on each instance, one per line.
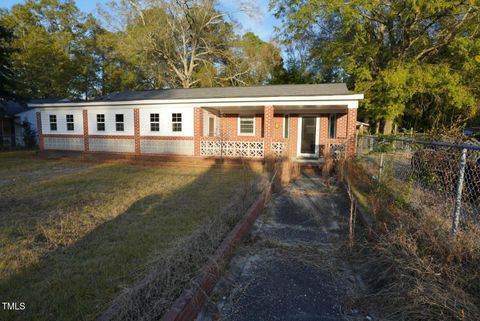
(231, 92)
(10, 108)
(49, 100)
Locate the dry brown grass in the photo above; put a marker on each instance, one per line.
(75, 235)
(416, 270)
(150, 298)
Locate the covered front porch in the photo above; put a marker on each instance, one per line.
(295, 132)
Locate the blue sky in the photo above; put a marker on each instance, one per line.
(259, 19)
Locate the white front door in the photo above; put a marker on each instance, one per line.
(308, 132)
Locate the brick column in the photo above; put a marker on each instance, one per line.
(293, 136)
(86, 146)
(197, 129)
(136, 130)
(268, 122)
(39, 131)
(351, 131)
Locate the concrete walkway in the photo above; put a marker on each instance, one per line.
(291, 268)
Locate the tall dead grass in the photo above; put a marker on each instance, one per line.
(150, 298)
(416, 270)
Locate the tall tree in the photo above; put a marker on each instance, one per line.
(7, 82)
(397, 52)
(189, 43)
(52, 50)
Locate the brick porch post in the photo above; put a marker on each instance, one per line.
(351, 131)
(197, 129)
(136, 130)
(39, 131)
(268, 130)
(292, 136)
(86, 146)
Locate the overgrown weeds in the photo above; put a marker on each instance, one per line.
(416, 270)
(150, 298)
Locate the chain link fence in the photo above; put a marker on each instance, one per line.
(441, 175)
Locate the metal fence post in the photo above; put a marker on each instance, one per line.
(380, 170)
(458, 194)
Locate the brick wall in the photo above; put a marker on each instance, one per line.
(268, 129)
(86, 146)
(136, 130)
(351, 132)
(197, 129)
(229, 128)
(39, 130)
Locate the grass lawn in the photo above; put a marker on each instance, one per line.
(73, 235)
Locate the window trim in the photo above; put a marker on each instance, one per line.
(100, 122)
(157, 122)
(286, 125)
(72, 122)
(239, 133)
(334, 123)
(213, 132)
(120, 122)
(177, 122)
(53, 123)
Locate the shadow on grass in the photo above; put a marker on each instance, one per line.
(77, 282)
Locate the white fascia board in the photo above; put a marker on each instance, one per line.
(214, 102)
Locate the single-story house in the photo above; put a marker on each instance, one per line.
(295, 121)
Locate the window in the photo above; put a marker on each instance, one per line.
(246, 125)
(70, 125)
(285, 126)
(155, 122)
(211, 126)
(53, 122)
(332, 126)
(176, 122)
(119, 123)
(100, 122)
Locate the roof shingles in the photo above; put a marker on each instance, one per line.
(231, 92)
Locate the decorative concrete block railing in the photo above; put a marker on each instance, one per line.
(279, 149)
(231, 149)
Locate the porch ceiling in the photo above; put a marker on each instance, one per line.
(297, 109)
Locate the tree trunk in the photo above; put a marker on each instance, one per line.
(377, 128)
(387, 128)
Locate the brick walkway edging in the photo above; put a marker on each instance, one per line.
(191, 301)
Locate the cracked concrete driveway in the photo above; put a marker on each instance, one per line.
(291, 268)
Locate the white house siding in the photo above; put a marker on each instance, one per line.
(62, 121)
(113, 145)
(165, 114)
(171, 147)
(63, 143)
(110, 127)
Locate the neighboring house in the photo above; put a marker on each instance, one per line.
(297, 121)
(11, 130)
(362, 128)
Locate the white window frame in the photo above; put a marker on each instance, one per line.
(334, 116)
(72, 122)
(239, 127)
(156, 122)
(177, 122)
(53, 122)
(120, 122)
(287, 132)
(214, 131)
(101, 122)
